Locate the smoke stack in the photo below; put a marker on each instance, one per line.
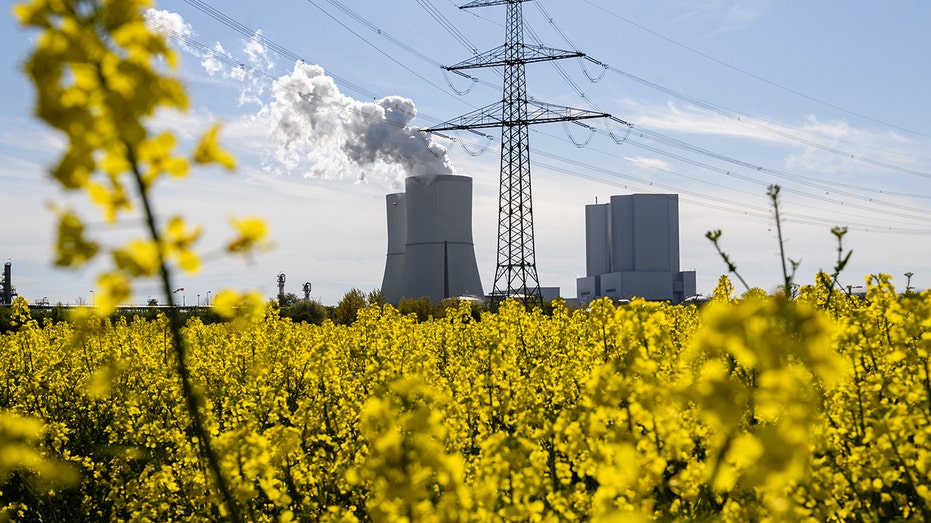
(6, 285)
(432, 220)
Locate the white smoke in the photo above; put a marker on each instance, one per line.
(316, 125)
(315, 128)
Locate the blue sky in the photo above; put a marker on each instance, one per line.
(827, 99)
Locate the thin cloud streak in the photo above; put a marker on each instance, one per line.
(650, 163)
(814, 146)
(723, 16)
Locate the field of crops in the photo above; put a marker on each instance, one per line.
(745, 409)
(751, 409)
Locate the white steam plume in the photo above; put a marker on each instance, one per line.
(316, 129)
(315, 123)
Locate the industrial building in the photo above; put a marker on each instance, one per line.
(7, 292)
(430, 247)
(632, 250)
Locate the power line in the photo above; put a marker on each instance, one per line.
(646, 134)
(386, 35)
(750, 121)
(450, 28)
(759, 168)
(279, 49)
(755, 76)
(713, 107)
(921, 214)
(728, 113)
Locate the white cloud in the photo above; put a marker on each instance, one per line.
(212, 64)
(722, 16)
(650, 163)
(27, 135)
(693, 120)
(170, 25)
(812, 146)
(257, 52)
(254, 77)
(830, 150)
(238, 73)
(217, 61)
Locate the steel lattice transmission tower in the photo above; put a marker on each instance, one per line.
(516, 273)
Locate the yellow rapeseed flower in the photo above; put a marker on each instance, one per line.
(113, 289)
(252, 234)
(209, 151)
(72, 248)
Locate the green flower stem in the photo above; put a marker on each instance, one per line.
(190, 395)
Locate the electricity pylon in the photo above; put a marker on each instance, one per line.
(516, 273)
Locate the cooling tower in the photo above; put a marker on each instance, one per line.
(397, 234)
(433, 221)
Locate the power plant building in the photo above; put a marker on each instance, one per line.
(7, 292)
(632, 250)
(430, 247)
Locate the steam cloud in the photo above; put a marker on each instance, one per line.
(315, 128)
(313, 121)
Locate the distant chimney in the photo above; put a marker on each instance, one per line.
(6, 290)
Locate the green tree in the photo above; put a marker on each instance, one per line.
(376, 297)
(422, 307)
(307, 311)
(349, 306)
(288, 300)
(6, 320)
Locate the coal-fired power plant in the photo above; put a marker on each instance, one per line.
(430, 247)
(632, 249)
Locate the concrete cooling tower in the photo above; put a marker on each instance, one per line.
(397, 234)
(430, 249)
